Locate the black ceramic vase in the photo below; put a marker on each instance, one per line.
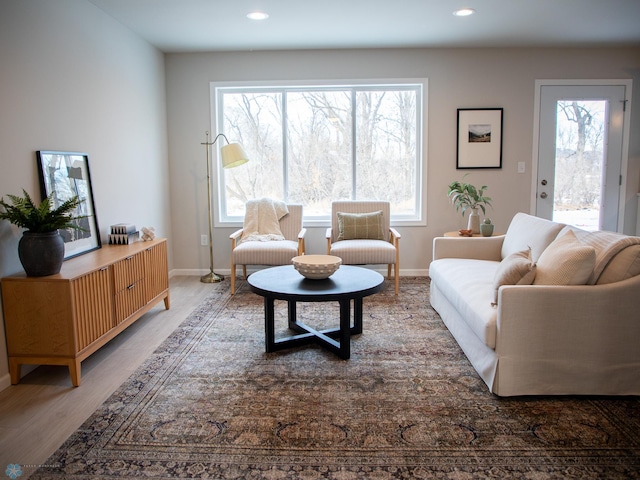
(41, 254)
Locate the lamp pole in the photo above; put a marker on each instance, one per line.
(210, 277)
(233, 155)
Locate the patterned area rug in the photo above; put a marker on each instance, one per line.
(210, 403)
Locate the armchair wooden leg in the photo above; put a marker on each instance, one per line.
(397, 275)
(396, 267)
(233, 278)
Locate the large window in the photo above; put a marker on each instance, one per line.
(316, 144)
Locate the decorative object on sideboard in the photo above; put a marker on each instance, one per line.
(233, 155)
(123, 234)
(486, 229)
(64, 175)
(148, 234)
(465, 196)
(41, 248)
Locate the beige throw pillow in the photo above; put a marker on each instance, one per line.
(566, 261)
(515, 269)
(353, 226)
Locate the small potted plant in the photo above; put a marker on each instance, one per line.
(41, 248)
(466, 196)
(486, 229)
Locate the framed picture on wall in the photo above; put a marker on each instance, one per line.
(479, 138)
(65, 175)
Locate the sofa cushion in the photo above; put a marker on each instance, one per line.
(361, 252)
(566, 261)
(467, 285)
(265, 253)
(352, 226)
(625, 264)
(528, 231)
(516, 269)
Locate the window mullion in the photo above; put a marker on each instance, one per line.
(354, 146)
(285, 147)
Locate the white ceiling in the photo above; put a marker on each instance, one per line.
(222, 25)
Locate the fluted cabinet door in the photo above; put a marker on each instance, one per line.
(92, 306)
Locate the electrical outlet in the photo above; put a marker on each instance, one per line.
(204, 240)
(520, 167)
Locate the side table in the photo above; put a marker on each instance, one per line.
(475, 235)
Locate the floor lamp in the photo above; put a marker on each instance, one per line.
(232, 155)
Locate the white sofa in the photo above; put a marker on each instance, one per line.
(544, 339)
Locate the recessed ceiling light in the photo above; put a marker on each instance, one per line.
(257, 15)
(464, 12)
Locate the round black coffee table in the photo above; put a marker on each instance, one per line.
(285, 283)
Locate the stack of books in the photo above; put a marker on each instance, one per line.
(123, 234)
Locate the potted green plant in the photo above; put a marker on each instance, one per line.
(41, 248)
(465, 196)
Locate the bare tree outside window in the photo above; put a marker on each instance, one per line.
(254, 120)
(579, 162)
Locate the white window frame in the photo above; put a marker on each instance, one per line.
(419, 219)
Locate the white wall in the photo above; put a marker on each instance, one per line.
(458, 78)
(74, 79)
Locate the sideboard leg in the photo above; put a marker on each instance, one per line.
(74, 371)
(166, 302)
(14, 370)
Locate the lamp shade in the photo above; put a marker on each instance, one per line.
(233, 155)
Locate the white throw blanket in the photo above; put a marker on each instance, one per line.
(607, 245)
(262, 220)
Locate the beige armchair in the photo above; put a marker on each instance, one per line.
(273, 252)
(360, 235)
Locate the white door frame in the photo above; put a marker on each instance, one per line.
(625, 137)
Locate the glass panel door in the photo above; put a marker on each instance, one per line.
(580, 155)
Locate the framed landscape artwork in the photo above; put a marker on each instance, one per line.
(479, 138)
(66, 174)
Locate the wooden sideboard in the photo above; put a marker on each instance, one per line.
(62, 319)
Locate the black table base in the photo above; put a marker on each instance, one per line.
(349, 283)
(336, 340)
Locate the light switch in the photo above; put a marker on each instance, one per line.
(521, 167)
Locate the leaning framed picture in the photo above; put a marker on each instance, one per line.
(479, 138)
(65, 175)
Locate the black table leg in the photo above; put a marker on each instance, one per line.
(357, 316)
(269, 327)
(292, 314)
(345, 329)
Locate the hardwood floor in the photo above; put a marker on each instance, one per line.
(38, 414)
